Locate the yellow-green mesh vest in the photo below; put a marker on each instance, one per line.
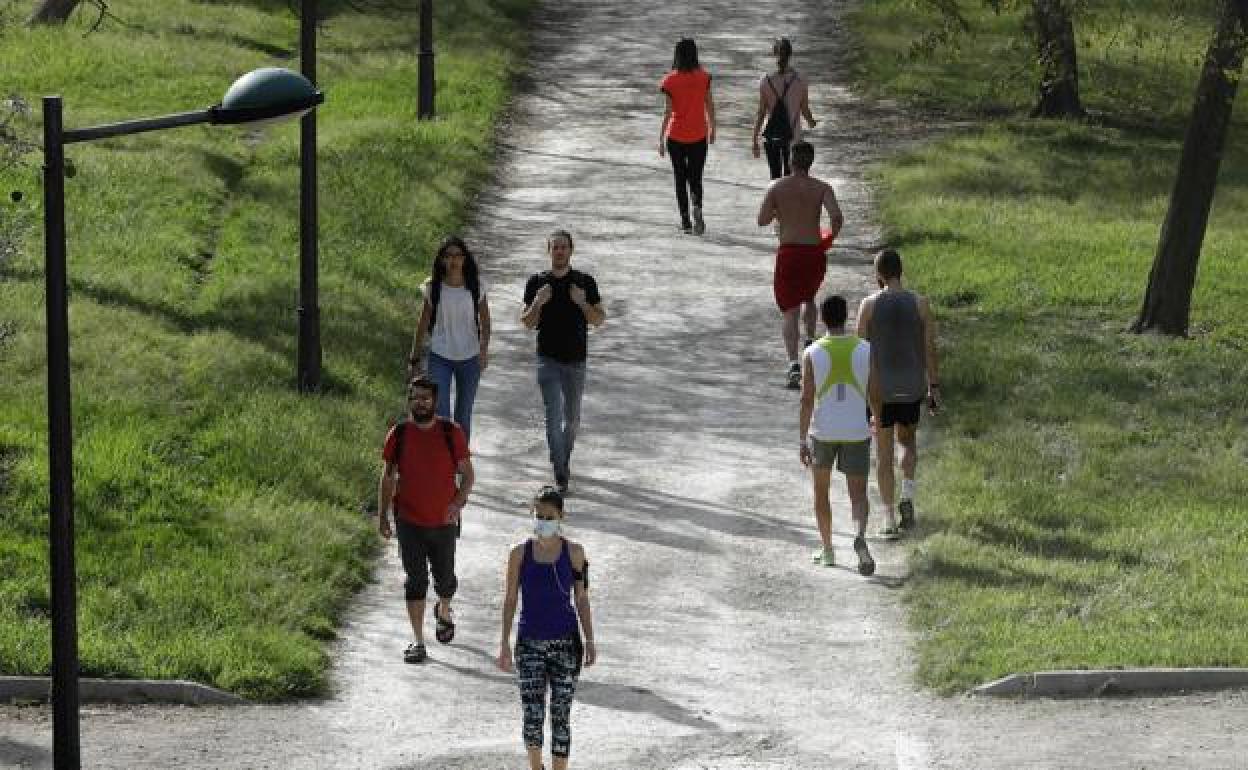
(840, 352)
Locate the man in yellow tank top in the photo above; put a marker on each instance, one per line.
(833, 426)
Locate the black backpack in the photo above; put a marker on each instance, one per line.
(778, 128)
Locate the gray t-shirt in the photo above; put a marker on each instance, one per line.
(897, 346)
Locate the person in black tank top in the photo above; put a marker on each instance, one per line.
(898, 324)
(550, 574)
(778, 128)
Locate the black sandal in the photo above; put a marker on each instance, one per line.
(446, 628)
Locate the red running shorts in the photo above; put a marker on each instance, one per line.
(799, 271)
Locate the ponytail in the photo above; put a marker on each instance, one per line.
(783, 49)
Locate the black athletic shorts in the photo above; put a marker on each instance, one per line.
(906, 413)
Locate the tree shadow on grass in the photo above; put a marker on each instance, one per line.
(1000, 575)
(274, 50)
(1058, 544)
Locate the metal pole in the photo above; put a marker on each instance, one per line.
(424, 109)
(135, 126)
(309, 312)
(60, 449)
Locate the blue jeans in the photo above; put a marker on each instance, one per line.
(467, 375)
(562, 386)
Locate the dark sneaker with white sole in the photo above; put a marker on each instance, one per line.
(906, 509)
(415, 653)
(866, 565)
(795, 376)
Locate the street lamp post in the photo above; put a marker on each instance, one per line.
(260, 95)
(309, 375)
(424, 101)
(60, 448)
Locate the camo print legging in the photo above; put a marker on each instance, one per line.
(539, 661)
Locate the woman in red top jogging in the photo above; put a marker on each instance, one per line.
(688, 127)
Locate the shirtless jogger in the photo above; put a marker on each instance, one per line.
(797, 202)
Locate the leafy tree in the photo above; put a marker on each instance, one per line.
(1052, 27)
(1049, 25)
(1168, 298)
(53, 11)
(15, 150)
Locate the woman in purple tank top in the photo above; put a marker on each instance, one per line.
(548, 575)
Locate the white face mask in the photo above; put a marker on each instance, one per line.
(546, 527)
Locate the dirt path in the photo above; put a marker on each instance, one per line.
(721, 645)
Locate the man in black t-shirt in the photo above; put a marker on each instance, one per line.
(561, 303)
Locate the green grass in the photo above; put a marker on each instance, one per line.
(218, 511)
(1085, 495)
(1137, 59)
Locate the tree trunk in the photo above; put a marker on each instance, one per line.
(1168, 298)
(53, 11)
(1055, 45)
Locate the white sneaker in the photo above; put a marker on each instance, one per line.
(889, 531)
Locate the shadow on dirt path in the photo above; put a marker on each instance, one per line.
(721, 645)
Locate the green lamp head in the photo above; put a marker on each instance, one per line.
(266, 94)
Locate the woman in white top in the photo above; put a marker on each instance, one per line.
(456, 316)
(787, 86)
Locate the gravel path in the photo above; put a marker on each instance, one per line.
(721, 645)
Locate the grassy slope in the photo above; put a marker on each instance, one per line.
(218, 519)
(1085, 501)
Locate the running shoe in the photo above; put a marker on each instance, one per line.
(445, 632)
(889, 532)
(906, 509)
(415, 653)
(866, 565)
(561, 485)
(795, 376)
(824, 557)
(699, 226)
(807, 343)
(686, 227)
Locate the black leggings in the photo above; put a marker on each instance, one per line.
(688, 160)
(425, 550)
(777, 158)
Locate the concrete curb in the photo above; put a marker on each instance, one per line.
(39, 689)
(1096, 683)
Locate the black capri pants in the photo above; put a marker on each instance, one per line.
(777, 158)
(424, 550)
(688, 161)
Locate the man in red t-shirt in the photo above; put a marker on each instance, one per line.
(426, 479)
